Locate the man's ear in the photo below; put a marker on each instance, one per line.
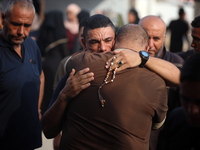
(165, 37)
(83, 42)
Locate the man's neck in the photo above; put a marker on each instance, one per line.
(161, 53)
(18, 50)
(182, 17)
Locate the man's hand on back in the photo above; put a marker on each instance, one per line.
(123, 59)
(76, 83)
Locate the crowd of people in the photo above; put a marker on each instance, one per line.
(91, 85)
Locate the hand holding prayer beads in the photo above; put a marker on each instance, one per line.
(106, 81)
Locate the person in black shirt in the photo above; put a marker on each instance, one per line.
(179, 29)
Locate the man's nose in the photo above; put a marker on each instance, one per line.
(102, 47)
(150, 43)
(20, 30)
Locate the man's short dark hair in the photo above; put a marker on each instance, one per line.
(97, 21)
(196, 22)
(181, 11)
(134, 33)
(191, 68)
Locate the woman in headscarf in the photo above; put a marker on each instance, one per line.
(52, 42)
(133, 16)
(71, 24)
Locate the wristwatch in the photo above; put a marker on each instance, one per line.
(144, 56)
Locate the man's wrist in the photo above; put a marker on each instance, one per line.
(144, 57)
(63, 97)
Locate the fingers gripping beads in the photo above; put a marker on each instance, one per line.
(106, 82)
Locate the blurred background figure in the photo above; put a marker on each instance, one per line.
(61, 71)
(133, 16)
(71, 24)
(52, 42)
(38, 19)
(82, 17)
(179, 30)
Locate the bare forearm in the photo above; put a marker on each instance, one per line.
(169, 72)
(42, 81)
(53, 119)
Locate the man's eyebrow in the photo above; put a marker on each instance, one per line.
(156, 37)
(27, 25)
(18, 24)
(93, 40)
(109, 38)
(15, 23)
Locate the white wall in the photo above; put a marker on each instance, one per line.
(115, 6)
(167, 10)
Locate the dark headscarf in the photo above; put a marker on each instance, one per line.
(36, 4)
(51, 30)
(84, 14)
(134, 12)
